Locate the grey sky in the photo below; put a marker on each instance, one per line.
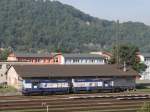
(124, 10)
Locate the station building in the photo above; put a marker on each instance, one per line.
(17, 74)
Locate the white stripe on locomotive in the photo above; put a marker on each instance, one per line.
(87, 84)
(54, 85)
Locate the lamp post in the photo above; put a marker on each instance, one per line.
(44, 104)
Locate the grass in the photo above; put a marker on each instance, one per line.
(143, 88)
(111, 110)
(145, 108)
(7, 89)
(127, 110)
(147, 90)
(34, 110)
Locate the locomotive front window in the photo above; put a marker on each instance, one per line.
(35, 84)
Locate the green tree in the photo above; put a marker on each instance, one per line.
(4, 54)
(127, 54)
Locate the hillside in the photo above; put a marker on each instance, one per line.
(35, 25)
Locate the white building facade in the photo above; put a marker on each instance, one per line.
(83, 59)
(3, 70)
(145, 58)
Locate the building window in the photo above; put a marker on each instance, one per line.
(80, 60)
(92, 60)
(56, 60)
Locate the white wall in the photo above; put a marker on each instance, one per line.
(84, 61)
(11, 58)
(62, 60)
(13, 78)
(146, 74)
(3, 70)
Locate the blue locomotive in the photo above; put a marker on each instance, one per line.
(53, 86)
(86, 85)
(45, 86)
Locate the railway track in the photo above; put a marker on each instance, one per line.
(72, 95)
(74, 103)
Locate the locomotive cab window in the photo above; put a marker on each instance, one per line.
(35, 84)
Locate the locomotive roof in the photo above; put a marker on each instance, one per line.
(71, 70)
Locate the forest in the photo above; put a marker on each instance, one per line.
(49, 26)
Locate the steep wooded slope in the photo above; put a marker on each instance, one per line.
(35, 25)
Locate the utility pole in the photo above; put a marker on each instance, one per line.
(117, 43)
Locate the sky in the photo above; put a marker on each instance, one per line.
(122, 10)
